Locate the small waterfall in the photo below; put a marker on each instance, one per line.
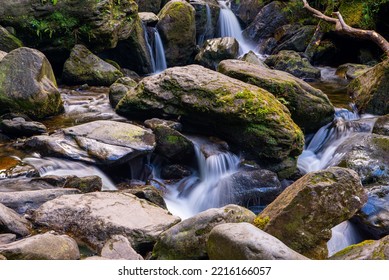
(62, 167)
(343, 235)
(159, 52)
(229, 27)
(149, 48)
(208, 27)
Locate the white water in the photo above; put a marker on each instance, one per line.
(343, 235)
(159, 52)
(229, 27)
(208, 27)
(62, 167)
(149, 48)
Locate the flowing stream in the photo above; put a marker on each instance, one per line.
(156, 51)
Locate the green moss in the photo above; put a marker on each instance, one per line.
(351, 248)
(261, 222)
(382, 143)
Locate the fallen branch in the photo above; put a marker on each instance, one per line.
(342, 27)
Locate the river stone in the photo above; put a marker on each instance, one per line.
(96, 217)
(188, 239)
(293, 63)
(7, 238)
(8, 42)
(154, 122)
(119, 89)
(304, 213)
(47, 246)
(381, 126)
(216, 50)
(20, 127)
(367, 250)
(2, 55)
(177, 28)
(148, 18)
(84, 184)
(119, 248)
(11, 222)
(83, 67)
(23, 201)
(351, 71)
(28, 85)
(369, 90)
(310, 107)
(252, 58)
(242, 114)
(243, 241)
(98, 142)
(149, 193)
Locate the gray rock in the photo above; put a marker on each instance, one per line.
(20, 127)
(11, 222)
(119, 89)
(252, 58)
(243, 241)
(7, 238)
(149, 193)
(298, 41)
(96, 217)
(2, 55)
(381, 126)
(351, 71)
(119, 248)
(148, 18)
(8, 42)
(205, 27)
(187, 239)
(153, 123)
(149, 5)
(48, 246)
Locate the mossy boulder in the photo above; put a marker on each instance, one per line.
(242, 114)
(188, 239)
(216, 50)
(293, 63)
(28, 85)
(304, 213)
(8, 42)
(11, 222)
(177, 27)
(310, 107)
(83, 67)
(119, 89)
(351, 71)
(369, 90)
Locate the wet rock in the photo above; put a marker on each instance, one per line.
(216, 50)
(85, 184)
(24, 201)
(7, 238)
(28, 85)
(20, 127)
(119, 89)
(119, 248)
(175, 172)
(149, 193)
(187, 239)
(11, 222)
(381, 126)
(297, 41)
(177, 27)
(351, 71)
(310, 107)
(205, 26)
(98, 142)
(252, 58)
(8, 42)
(247, 10)
(293, 63)
(367, 250)
(48, 246)
(304, 213)
(83, 67)
(242, 114)
(95, 217)
(153, 123)
(243, 241)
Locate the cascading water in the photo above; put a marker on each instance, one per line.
(159, 52)
(343, 235)
(208, 27)
(149, 48)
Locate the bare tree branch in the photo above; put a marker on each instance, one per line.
(342, 27)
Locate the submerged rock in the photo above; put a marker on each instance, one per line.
(28, 85)
(83, 67)
(243, 241)
(11, 222)
(304, 213)
(95, 217)
(188, 239)
(48, 246)
(310, 107)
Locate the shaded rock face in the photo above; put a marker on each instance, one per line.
(20, 127)
(11, 222)
(310, 107)
(178, 32)
(28, 85)
(367, 250)
(244, 241)
(246, 10)
(100, 142)
(304, 213)
(254, 120)
(216, 50)
(11, 167)
(381, 126)
(293, 63)
(369, 90)
(8, 42)
(351, 71)
(205, 27)
(153, 6)
(188, 239)
(96, 217)
(297, 40)
(83, 67)
(48, 246)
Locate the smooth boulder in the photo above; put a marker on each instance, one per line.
(11, 222)
(17, 127)
(119, 248)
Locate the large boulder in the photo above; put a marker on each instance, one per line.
(304, 213)
(48, 246)
(178, 32)
(96, 217)
(244, 241)
(243, 114)
(188, 239)
(119, 248)
(216, 50)
(310, 107)
(99, 142)
(28, 85)
(18, 126)
(11, 222)
(351, 71)
(297, 40)
(8, 42)
(369, 90)
(83, 67)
